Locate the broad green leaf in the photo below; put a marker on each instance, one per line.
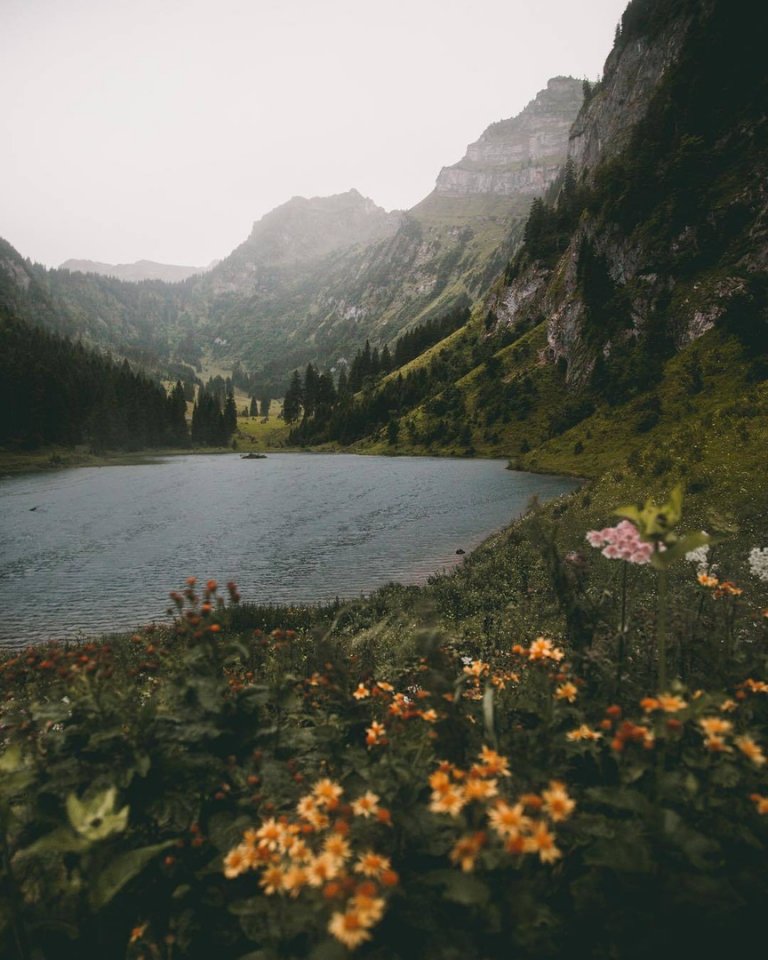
(459, 887)
(626, 854)
(62, 840)
(120, 870)
(11, 760)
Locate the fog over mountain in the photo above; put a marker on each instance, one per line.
(164, 134)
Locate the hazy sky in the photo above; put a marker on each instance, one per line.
(162, 129)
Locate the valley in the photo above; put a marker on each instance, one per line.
(527, 717)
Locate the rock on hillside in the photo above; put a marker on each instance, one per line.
(521, 155)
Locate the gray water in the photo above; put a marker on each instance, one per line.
(97, 549)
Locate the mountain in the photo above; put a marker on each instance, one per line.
(521, 156)
(135, 272)
(317, 277)
(628, 332)
(279, 302)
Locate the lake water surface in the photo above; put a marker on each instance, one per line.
(97, 549)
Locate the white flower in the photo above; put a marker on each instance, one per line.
(699, 557)
(758, 562)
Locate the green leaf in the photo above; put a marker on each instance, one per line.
(120, 870)
(625, 854)
(329, 950)
(685, 544)
(11, 760)
(459, 887)
(62, 840)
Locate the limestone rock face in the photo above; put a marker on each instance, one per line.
(521, 155)
(603, 128)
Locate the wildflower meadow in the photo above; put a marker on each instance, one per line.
(366, 782)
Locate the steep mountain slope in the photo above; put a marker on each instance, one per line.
(135, 272)
(641, 283)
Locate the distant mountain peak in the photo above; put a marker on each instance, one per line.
(134, 272)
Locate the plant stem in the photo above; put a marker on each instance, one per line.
(661, 631)
(622, 631)
(17, 920)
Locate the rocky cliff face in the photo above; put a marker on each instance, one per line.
(521, 155)
(669, 226)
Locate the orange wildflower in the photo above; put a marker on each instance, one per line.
(542, 841)
(367, 805)
(466, 850)
(751, 750)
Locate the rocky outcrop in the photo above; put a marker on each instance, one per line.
(670, 221)
(521, 155)
(631, 73)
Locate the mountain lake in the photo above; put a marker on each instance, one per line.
(97, 549)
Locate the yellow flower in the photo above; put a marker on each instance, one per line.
(372, 864)
(717, 744)
(728, 706)
(307, 807)
(761, 803)
(138, 932)
(756, 686)
(451, 801)
(349, 928)
(321, 869)
(376, 733)
(237, 861)
(430, 716)
(557, 804)
(715, 726)
(371, 909)
(542, 841)
(269, 834)
(272, 879)
(366, 805)
(477, 669)
(294, 879)
(542, 649)
(336, 846)
(477, 789)
(508, 821)
(671, 704)
(495, 765)
(327, 793)
(751, 750)
(386, 687)
(466, 850)
(567, 691)
(440, 781)
(583, 733)
(361, 693)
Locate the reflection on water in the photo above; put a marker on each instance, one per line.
(98, 548)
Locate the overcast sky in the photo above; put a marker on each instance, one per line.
(161, 129)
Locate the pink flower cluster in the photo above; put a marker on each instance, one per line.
(621, 542)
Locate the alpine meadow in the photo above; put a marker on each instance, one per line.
(547, 736)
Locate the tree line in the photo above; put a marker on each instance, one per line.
(54, 391)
